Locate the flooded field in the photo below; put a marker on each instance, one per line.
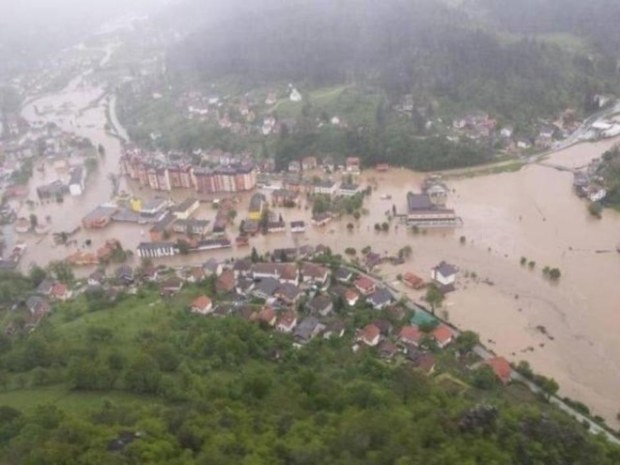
(565, 330)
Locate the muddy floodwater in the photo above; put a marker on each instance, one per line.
(566, 330)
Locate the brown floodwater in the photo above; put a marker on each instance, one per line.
(531, 213)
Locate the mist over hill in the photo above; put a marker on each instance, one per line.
(490, 53)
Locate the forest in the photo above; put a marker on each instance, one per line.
(142, 380)
(428, 48)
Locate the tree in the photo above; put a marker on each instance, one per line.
(549, 386)
(34, 221)
(254, 256)
(484, 378)
(37, 275)
(232, 214)
(554, 274)
(101, 149)
(183, 246)
(385, 226)
(350, 251)
(595, 209)
(62, 271)
(434, 297)
(143, 375)
(466, 341)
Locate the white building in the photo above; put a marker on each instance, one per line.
(76, 181)
(444, 274)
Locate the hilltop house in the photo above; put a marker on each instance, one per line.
(202, 305)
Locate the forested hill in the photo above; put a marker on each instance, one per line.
(594, 20)
(467, 53)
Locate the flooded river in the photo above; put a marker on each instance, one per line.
(565, 330)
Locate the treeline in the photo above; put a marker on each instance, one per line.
(595, 20)
(224, 391)
(397, 144)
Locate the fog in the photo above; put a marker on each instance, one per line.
(29, 29)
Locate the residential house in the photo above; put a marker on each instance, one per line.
(289, 293)
(365, 285)
(195, 274)
(325, 187)
(411, 335)
(45, 287)
(321, 219)
(258, 203)
(276, 227)
(156, 249)
(244, 286)
(353, 165)
(225, 282)
(284, 198)
(266, 288)
(387, 350)
(76, 181)
(267, 316)
(242, 267)
(284, 272)
(444, 275)
(309, 163)
(287, 322)
(125, 275)
(171, 286)
(413, 281)
(348, 190)
(501, 367)
(372, 260)
(351, 297)
(442, 335)
(213, 267)
(37, 306)
(380, 299)
(185, 209)
(321, 304)
(298, 227)
(202, 305)
(61, 292)
(370, 335)
(96, 278)
(319, 275)
(343, 275)
(385, 327)
(100, 217)
(335, 328)
(294, 167)
(150, 274)
(308, 329)
(425, 362)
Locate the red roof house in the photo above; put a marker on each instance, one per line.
(442, 335)
(501, 368)
(365, 285)
(370, 335)
(411, 335)
(202, 305)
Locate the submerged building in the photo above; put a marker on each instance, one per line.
(422, 212)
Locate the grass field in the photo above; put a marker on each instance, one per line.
(77, 402)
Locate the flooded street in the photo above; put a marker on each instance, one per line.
(565, 330)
